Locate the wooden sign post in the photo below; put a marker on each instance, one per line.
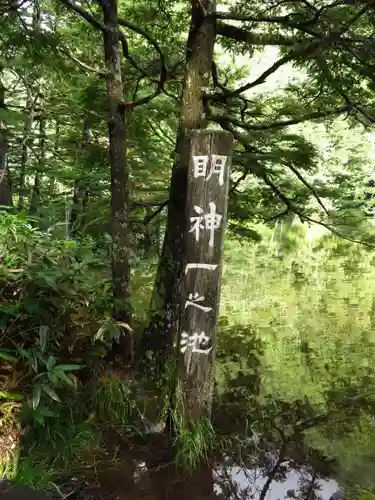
(206, 212)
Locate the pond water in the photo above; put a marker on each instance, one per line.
(251, 483)
(155, 477)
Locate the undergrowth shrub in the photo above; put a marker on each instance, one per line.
(55, 298)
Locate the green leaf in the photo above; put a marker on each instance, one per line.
(68, 368)
(43, 337)
(34, 363)
(6, 356)
(36, 396)
(46, 412)
(64, 378)
(53, 377)
(51, 363)
(101, 332)
(24, 353)
(51, 393)
(39, 419)
(10, 395)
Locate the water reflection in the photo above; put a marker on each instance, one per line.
(229, 481)
(234, 483)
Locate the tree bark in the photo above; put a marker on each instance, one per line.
(80, 192)
(165, 307)
(5, 191)
(117, 127)
(35, 196)
(25, 152)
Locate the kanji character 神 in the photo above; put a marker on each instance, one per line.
(210, 222)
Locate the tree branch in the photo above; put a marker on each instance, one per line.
(308, 185)
(305, 48)
(243, 35)
(149, 218)
(279, 124)
(152, 41)
(290, 206)
(283, 20)
(125, 49)
(82, 65)
(102, 27)
(85, 15)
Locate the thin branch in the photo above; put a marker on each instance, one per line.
(274, 471)
(277, 216)
(308, 185)
(282, 123)
(160, 133)
(284, 20)
(85, 15)
(258, 81)
(152, 41)
(290, 206)
(83, 65)
(149, 218)
(125, 49)
(336, 87)
(304, 49)
(243, 35)
(103, 28)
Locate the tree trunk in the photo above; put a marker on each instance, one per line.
(25, 153)
(119, 167)
(80, 196)
(52, 181)
(5, 191)
(165, 307)
(35, 197)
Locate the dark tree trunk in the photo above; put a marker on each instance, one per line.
(80, 193)
(52, 181)
(35, 196)
(25, 152)
(165, 306)
(5, 191)
(117, 128)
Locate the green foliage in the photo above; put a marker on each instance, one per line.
(115, 406)
(295, 334)
(194, 441)
(47, 296)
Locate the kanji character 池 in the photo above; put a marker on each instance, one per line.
(198, 342)
(210, 222)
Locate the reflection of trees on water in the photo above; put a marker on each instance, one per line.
(253, 424)
(276, 479)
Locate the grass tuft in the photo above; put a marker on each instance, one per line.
(193, 442)
(114, 406)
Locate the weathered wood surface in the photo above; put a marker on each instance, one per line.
(206, 212)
